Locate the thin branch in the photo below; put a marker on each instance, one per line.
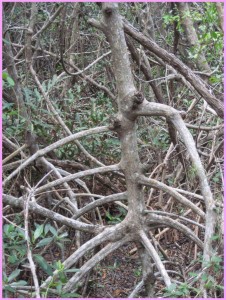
(107, 235)
(58, 117)
(99, 202)
(69, 191)
(90, 65)
(171, 191)
(34, 207)
(174, 215)
(193, 195)
(70, 286)
(93, 82)
(55, 145)
(136, 289)
(19, 150)
(27, 239)
(172, 60)
(152, 252)
(48, 23)
(49, 185)
(154, 218)
(205, 128)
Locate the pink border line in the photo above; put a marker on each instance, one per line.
(1, 126)
(1, 154)
(224, 146)
(108, 1)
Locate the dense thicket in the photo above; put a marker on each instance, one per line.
(113, 149)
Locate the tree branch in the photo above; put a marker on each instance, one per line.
(152, 252)
(154, 218)
(99, 202)
(49, 185)
(55, 145)
(173, 61)
(159, 185)
(108, 234)
(70, 286)
(34, 207)
(174, 215)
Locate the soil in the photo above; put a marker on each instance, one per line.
(116, 276)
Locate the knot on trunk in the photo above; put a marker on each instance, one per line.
(137, 99)
(108, 11)
(115, 124)
(131, 101)
(109, 8)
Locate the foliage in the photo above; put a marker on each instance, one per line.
(114, 219)
(15, 248)
(8, 281)
(189, 290)
(85, 101)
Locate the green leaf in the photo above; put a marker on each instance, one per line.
(60, 245)
(8, 228)
(54, 80)
(18, 283)
(220, 287)
(21, 233)
(216, 259)
(214, 34)
(72, 270)
(109, 216)
(178, 293)
(13, 275)
(7, 106)
(71, 295)
(193, 274)
(172, 287)
(167, 294)
(38, 231)
(6, 41)
(215, 237)
(12, 259)
(10, 81)
(64, 234)
(43, 264)
(209, 284)
(216, 179)
(59, 265)
(63, 277)
(53, 230)
(4, 75)
(44, 242)
(37, 94)
(8, 288)
(204, 277)
(59, 286)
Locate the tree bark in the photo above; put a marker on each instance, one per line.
(173, 61)
(192, 37)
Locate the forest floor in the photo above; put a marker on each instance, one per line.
(120, 272)
(117, 275)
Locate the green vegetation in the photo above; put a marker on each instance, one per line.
(43, 106)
